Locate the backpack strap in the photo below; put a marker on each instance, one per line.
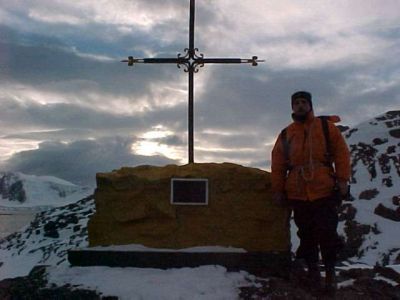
(285, 145)
(325, 129)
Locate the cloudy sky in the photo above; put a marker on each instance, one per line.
(69, 108)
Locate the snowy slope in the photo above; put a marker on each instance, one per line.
(371, 222)
(18, 190)
(47, 239)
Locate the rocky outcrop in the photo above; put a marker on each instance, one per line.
(12, 188)
(375, 163)
(133, 207)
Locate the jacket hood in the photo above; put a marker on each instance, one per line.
(333, 118)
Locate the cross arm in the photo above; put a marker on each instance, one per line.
(131, 60)
(198, 60)
(253, 61)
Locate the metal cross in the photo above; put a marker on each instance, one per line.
(191, 62)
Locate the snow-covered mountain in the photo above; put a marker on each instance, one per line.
(20, 190)
(371, 221)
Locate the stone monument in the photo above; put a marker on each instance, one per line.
(223, 216)
(133, 206)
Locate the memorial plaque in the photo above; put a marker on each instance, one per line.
(189, 191)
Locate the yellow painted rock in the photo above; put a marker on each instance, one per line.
(133, 207)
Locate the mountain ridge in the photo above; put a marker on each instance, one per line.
(22, 190)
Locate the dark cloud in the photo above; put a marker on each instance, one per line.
(48, 61)
(171, 140)
(61, 80)
(64, 134)
(79, 161)
(232, 140)
(65, 116)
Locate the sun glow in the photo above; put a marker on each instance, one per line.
(151, 143)
(9, 147)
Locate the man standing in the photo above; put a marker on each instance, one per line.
(309, 160)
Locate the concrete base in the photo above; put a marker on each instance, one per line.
(265, 263)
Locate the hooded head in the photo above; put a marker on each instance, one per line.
(304, 95)
(301, 105)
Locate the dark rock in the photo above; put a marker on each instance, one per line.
(384, 162)
(375, 229)
(396, 200)
(389, 115)
(379, 141)
(351, 131)
(366, 154)
(388, 273)
(391, 124)
(342, 128)
(368, 194)
(50, 230)
(347, 212)
(395, 133)
(397, 259)
(354, 238)
(392, 114)
(71, 219)
(17, 192)
(387, 181)
(387, 213)
(391, 150)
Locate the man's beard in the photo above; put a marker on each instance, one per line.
(300, 117)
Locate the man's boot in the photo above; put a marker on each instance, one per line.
(330, 281)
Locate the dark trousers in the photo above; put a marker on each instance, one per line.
(317, 223)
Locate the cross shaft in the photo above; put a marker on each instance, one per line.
(191, 62)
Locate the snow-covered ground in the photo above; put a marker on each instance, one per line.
(206, 282)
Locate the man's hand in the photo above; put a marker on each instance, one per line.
(279, 198)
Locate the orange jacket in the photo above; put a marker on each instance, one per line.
(310, 177)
